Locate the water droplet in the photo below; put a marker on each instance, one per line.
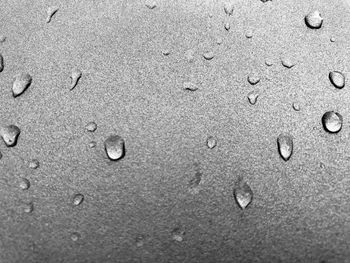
(332, 121)
(166, 52)
(322, 165)
(151, 4)
(314, 20)
(178, 234)
(337, 79)
(1, 63)
(195, 181)
(2, 38)
(264, 1)
(288, 62)
(243, 194)
(219, 40)
(75, 236)
(75, 76)
(115, 147)
(92, 144)
(268, 62)
(252, 97)
(50, 12)
(332, 39)
(210, 15)
(10, 135)
(139, 240)
(0, 155)
(24, 184)
(187, 85)
(253, 79)
(28, 207)
(189, 55)
(77, 199)
(249, 33)
(34, 164)
(296, 106)
(91, 126)
(208, 55)
(285, 146)
(21, 82)
(211, 142)
(228, 7)
(227, 26)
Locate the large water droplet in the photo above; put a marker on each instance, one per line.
(50, 12)
(228, 7)
(188, 85)
(253, 97)
(21, 82)
(10, 135)
(75, 76)
(24, 184)
(1, 63)
(77, 199)
(91, 126)
(243, 194)
(28, 207)
(332, 121)
(253, 79)
(34, 164)
(75, 236)
(337, 79)
(208, 55)
(314, 20)
(211, 142)
(115, 147)
(285, 146)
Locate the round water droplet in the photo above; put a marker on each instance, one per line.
(91, 126)
(228, 7)
(296, 106)
(332, 121)
(337, 79)
(1, 63)
(285, 146)
(34, 164)
(314, 20)
(24, 184)
(28, 207)
(243, 194)
(92, 144)
(75, 236)
(77, 199)
(115, 147)
(187, 85)
(288, 62)
(211, 142)
(150, 4)
(10, 135)
(208, 55)
(253, 97)
(249, 33)
(227, 26)
(21, 82)
(332, 39)
(253, 79)
(268, 62)
(166, 52)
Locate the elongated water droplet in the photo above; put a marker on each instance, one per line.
(188, 85)
(253, 97)
(249, 33)
(77, 199)
(2, 38)
(314, 20)
(91, 126)
(21, 82)
(75, 76)
(264, 1)
(92, 144)
(211, 142)
(253, 79)
(75, 236)
(50, 13)
(285, 146)
(34, 164)
(1, 63)
(332, 121)
(115, 147)
(227, 26)
(337, 79)
(296, 106)
(28, 207)
(243, 194)
(208, 55)
(288, 62)
(10, 135)
(228, 7)
(24, 184)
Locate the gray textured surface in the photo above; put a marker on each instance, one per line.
(300, 211)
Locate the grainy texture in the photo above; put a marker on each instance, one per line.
(300, 211)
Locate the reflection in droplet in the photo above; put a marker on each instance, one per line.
(50, 12)
(253, 79)
(211, 142)
(243, 194)
(75, 236)
(314, 20)
(115, 147)
(337, 79)
(208, 55)
(24, 184)
(188, 85)
(332, 121)
(21, 82)
(228, 7)
(285, 146)
(91, 126)
(77, 199)
(34, 164)
(75, 76)
(10, 135)
(253, 97)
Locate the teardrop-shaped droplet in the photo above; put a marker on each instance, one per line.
(21, 82)
(24, 184)
(296, 106)
(243, 194)
(337, 79)
(115, 147)
(314, 20)
(253, 97)
(75, 76)
(188, 85)
(34, 164)
(285, 146)
(288, 62)
(28, 207)
(332, 121)
(91, 126)
(1, 63)
(50, 13)
(208, 55)
(227, 26)
(211, 142)
(253, 79)
(249, 33)
(10, 135)
(228, 7)
(75, 236)
(77, 199)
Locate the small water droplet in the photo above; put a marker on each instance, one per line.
(166, 52)
(92, 144)
(253, 79)
(2, 38)
(24, 184)
(75, 236)
(268, 62)
(285, 146)
(296, 106)
(34, 164)
(91, 126)
(211, 142)
(77, 199)
(208, 55)
(288, 62)
(219, 40)
(139, 240)
(178, 234)
(227, 26)
(332, 39)
(21, 82)
(151, 4)
(249, 33)
(337, 79)
(243, 194)
(332, 121)
(188, 85)
(28, 207)
(1, 63)
(115, 147)
(10, 135)
(75, 76)
(253, 97)
(228, 7)
(314, 20)
(50, 13)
